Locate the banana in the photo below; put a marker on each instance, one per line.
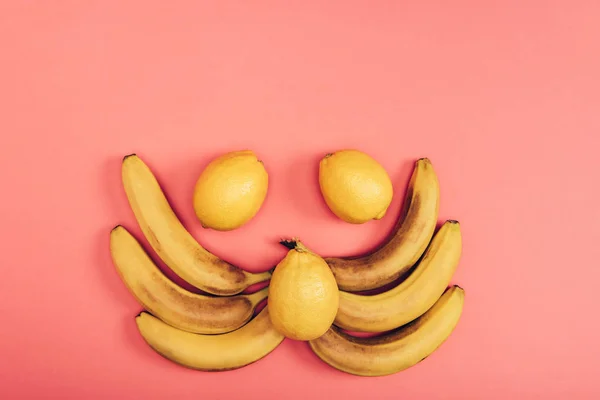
(211, 352)
(404, 247)
(171, 303)
(394, 351)
(172, 242)
(411, 298)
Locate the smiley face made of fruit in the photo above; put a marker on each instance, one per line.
(310, 298)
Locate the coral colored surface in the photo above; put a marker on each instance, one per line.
(504, 97)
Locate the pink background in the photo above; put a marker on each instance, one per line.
(503, 96)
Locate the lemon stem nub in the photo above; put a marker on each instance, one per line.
(290, 244)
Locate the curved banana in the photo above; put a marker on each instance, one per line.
(211, 352)
(404, 247)
(172, 242)
(397, 350)
(171, 303)
(411, 298)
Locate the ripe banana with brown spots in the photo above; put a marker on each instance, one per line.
(396, 350)
(411, 298)
(172, 242)
(404, 247)
(229, 351)
(174, 305)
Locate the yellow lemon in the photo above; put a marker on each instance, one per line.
(303, 294)
(355, 187)
(230, 190)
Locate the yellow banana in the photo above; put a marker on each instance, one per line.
(402, 250)
(411, 298)
(211, 352)
(171, 303)
(172, 242)
(394, 351)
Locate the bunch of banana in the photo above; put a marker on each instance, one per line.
(201, 332)
(419, 312)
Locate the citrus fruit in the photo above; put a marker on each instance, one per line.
(355, 187)
(230, 190)
(303, 294)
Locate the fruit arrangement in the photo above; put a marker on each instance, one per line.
(309, 298)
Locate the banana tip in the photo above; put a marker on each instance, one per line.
(116, 227)
(129, 155)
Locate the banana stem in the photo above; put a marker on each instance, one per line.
(259, 277)
(258, 296)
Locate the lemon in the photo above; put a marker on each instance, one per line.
(303, 294)
(355, 187)
(230, 190)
